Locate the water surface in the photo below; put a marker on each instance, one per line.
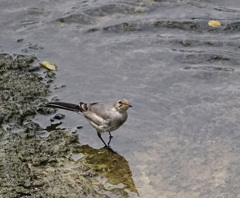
(181, 76)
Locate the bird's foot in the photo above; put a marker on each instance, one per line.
(109, 149)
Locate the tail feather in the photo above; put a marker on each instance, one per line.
(64, 105)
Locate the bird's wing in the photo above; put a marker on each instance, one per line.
(98, 113)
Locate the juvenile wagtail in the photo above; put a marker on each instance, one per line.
(104, 117)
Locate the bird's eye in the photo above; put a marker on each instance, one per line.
(120, 102)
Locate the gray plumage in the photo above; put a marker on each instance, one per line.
(103, 117)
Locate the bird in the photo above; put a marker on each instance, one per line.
(104, 117)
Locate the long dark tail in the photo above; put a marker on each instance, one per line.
(64, 105)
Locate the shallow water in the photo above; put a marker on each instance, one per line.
(180, 75)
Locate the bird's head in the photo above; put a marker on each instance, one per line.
(122, 105)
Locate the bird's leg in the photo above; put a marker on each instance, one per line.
(99, 135)
(110, 138)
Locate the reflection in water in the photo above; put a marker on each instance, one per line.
(114, 171)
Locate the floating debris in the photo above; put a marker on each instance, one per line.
(48, 65)
(214, 23)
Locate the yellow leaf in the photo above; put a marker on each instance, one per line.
(214, 23)
(48, 65)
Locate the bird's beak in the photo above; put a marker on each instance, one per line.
(128, 105)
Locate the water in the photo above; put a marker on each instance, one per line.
(181, 76)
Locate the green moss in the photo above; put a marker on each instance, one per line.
(110, 165)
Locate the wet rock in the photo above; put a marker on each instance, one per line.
(58, 116)
(109, 164)
(42, 167)
(23, 91)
